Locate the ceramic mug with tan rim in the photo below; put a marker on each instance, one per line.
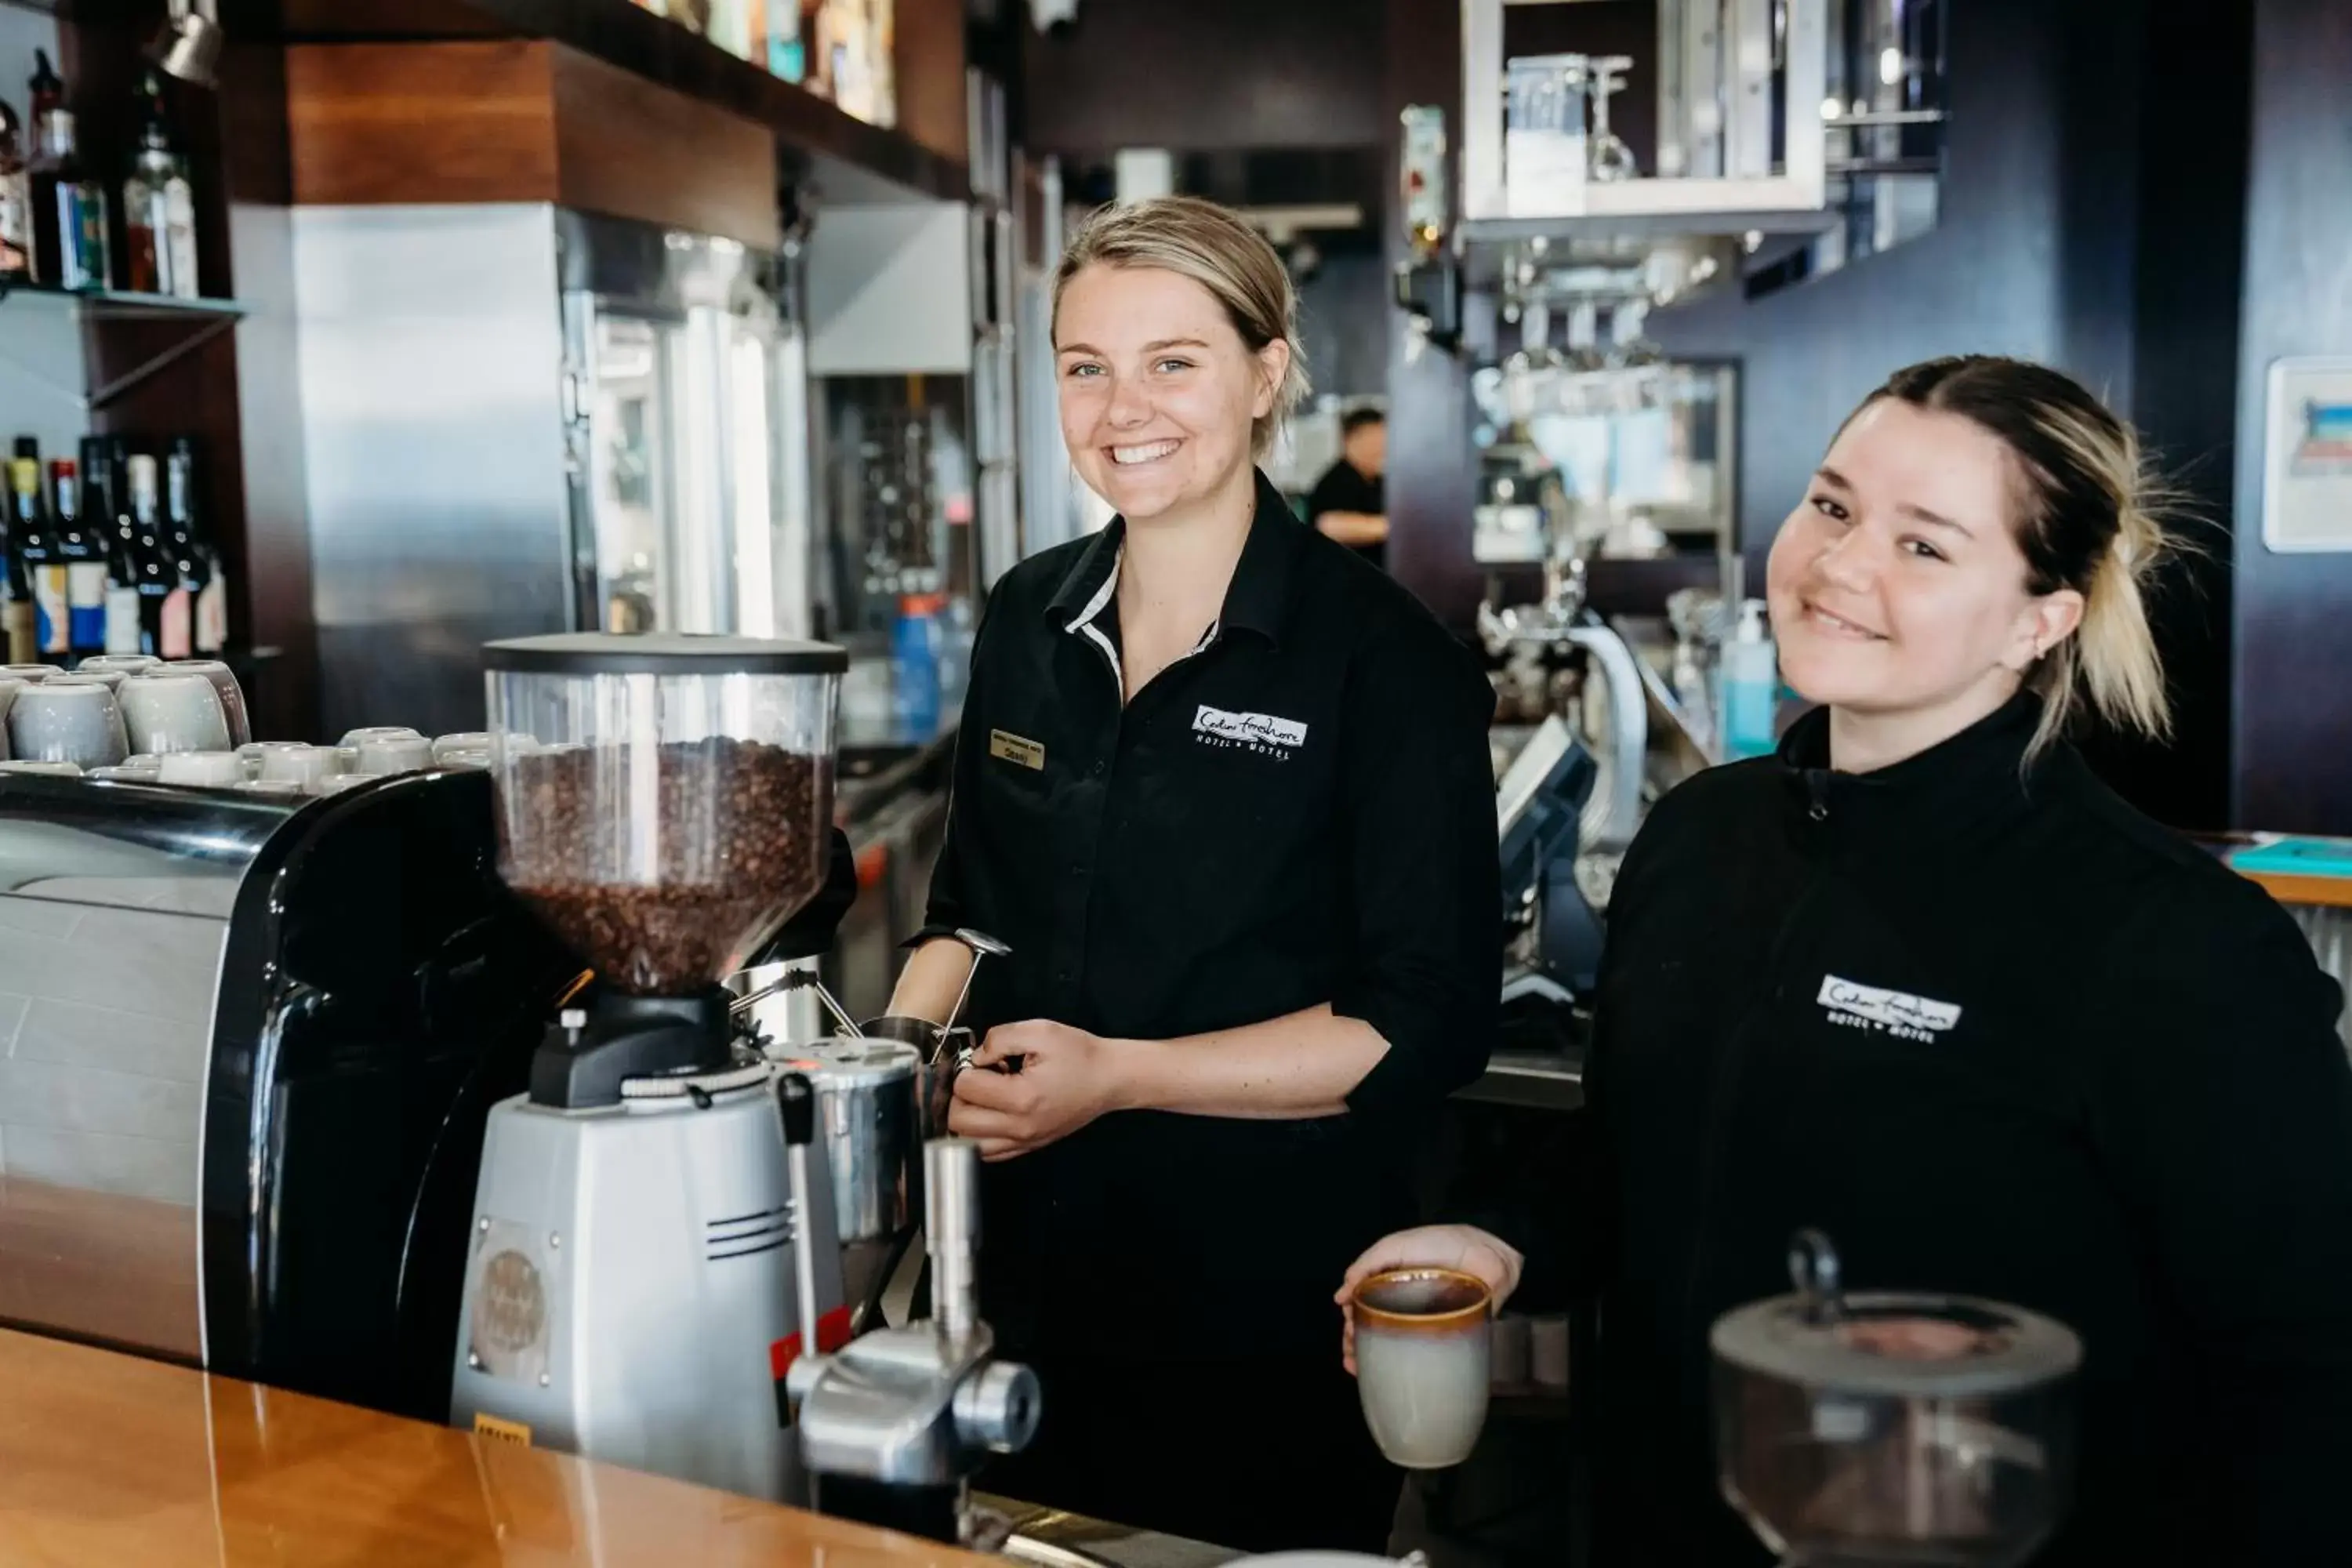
(1424, 1344)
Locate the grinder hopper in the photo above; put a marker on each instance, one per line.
(663, 804)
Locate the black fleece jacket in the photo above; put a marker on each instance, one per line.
(1997, 1035)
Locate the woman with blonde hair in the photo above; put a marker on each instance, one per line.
(1921, 981)
(1224, 790)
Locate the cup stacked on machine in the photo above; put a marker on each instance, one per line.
(138, 720)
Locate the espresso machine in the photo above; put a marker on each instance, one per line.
(656, 1272)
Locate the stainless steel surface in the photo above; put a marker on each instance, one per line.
(115, 903)
(919, 1406)
(788, 1002)
(982, 945)
(631, 1273)
(951, 1230)
(1731, 79)
(869, 1123)
(485, 391)
(430, 348)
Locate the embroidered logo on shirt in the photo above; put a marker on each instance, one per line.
(1883, 1012)
(1017, 749)
(1261, 733)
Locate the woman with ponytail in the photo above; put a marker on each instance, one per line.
(1920, 981)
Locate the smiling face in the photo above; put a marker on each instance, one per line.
(1898, 588)
(1159, 391)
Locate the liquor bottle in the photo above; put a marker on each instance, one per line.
(69, 210)
(163, 630)
(103, 515)
(15, 201)
(159, 208)
(200, 558)
(183, 570)
(19, 614)
(46, 98)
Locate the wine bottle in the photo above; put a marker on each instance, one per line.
(199, 557)
(102, 481)
(19, 614)
(164, 607)
(78, 552)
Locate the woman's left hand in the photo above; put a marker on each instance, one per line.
(1064, 1078)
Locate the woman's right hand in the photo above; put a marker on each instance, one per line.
(1458, 1246)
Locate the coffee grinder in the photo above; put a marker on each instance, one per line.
(663, 803)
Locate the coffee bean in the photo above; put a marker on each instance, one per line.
(662, 867)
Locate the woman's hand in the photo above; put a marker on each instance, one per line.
(1064, 1079)
(1458, 1246)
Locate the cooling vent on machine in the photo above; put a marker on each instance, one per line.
(748, 1234)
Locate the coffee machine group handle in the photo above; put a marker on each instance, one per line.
(796, 1102)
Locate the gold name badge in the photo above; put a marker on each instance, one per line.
(1014, 749)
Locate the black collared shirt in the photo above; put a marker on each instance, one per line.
(1344, 487)
(1299, 811)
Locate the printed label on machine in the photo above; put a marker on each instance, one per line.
(501, 1431)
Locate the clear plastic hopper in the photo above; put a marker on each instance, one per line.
(664, 801)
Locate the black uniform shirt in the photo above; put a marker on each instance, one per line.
(1997, 1035)
(1299, 811)
(1343, 488)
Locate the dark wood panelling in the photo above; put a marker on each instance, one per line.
(1210, 74)
(2293, 716)
(422, 123)
(2177, 300)
(522, 121)
(627, 147)
(927, 60)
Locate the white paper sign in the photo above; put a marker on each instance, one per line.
(2307, 472)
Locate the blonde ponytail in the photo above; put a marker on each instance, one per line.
(2111, 658)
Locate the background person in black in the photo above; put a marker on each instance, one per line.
(2119, 1097)
(1226, 793)
(1349, 502)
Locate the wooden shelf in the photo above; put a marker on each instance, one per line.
(851, 161)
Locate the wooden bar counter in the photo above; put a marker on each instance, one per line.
(109, 1459)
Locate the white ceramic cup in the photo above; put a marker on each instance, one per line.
(61, 770)
(9, 687)
(66, 720)
(112, 679)
(381, 732)
(463, 758)
(30, 674)
(1424, 1342)
(201, 770)
(232, 695)
(129, 663)
(464, 741)
(303, 765)
(387, 754)
(171, 710)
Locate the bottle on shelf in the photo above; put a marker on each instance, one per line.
(15, 200)
(159, 209)
(199, 558)
(77, 562)
(164, 606)
(21, 529)
(69, 208)
(101, 482)
(36, 548)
